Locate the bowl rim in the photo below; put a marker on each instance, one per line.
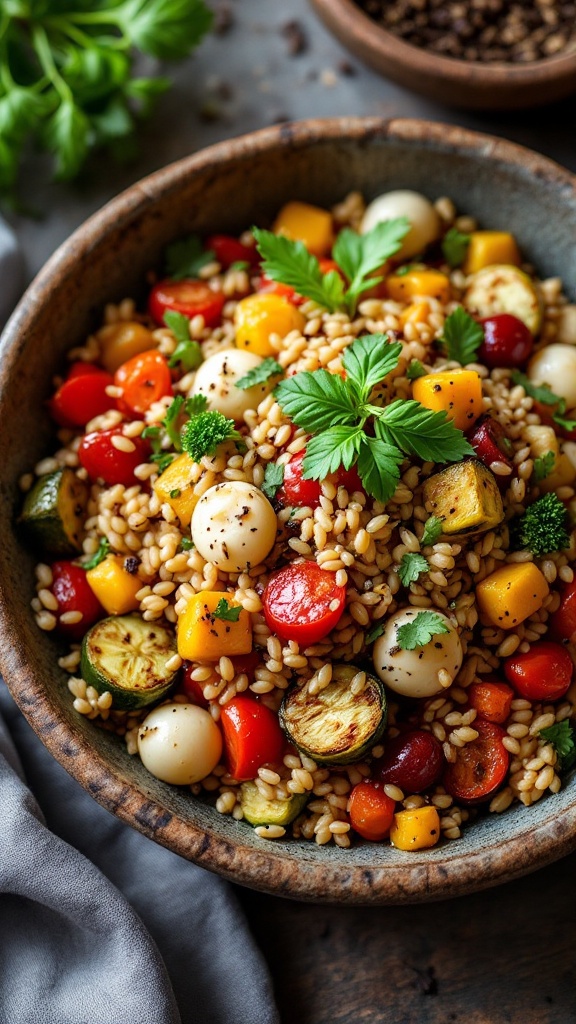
(273, 869)
(379, 40)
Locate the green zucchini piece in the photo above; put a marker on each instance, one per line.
(53, 512)
(127, 656)
(260, 811)
(335, 726)
(502, 288)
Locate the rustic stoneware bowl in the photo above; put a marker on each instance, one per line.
(459, 83)
(225, 188)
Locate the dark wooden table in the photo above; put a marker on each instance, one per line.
(503, 956)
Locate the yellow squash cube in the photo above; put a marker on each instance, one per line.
(176, 487)
(259, 316)
(416, 829)
(203, 636)
(465, 496)
(488, 247)
(311, 225)
(416, 283)
(114, 586)
(458, 393)
(511, 594)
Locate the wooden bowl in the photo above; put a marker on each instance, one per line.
(225, 188)
(458, 83)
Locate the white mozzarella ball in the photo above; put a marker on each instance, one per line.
(415, 673)
(234, 526)
(425, 222)
(216, 380)
(556, 365)
(179, 743)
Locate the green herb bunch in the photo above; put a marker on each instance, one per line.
(66, 73)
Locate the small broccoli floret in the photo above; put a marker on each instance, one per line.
(203, 433)
(543, 527)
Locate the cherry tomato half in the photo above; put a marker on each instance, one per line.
(268, 286)
(371, 811)
(298, 491)
(413, 760)
(302, 602)
(74, 594)
(507, 341)
(252, 737)
(480, 766)
(190, 297)
(101, 459)
(563, 621)
(491, 699)
(229, 250)
(543, 673)
(144, 379)
(82, 396)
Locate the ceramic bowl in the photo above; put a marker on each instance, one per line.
(225, 188)
(459, 83)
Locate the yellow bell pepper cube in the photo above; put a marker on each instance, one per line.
(176, 487)
(311, 225)
(416, 829)
(119, 342)
(417, 283)
(415, 313)
(456, 392)
(114, 586)
(259, 316)
(202, 635)
(488, 247)
(511, 594)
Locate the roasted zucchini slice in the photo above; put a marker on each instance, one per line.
(335, 726)
(260, 811)
(465, 496)
(502, 288)
(53, 512)
(127, 657)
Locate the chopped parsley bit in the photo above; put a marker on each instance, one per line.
(187, 544)
(226, 612)
(172, 413)
(162, 460)
(543, 466)
(202, 434)
(462, 337)
(420, 631)
(187, 352)
(273, 479)
(411, 567)
(544, 526)
(374, 633)
(153, 433)
(416, 369)
(239, 265)
(175, 493)
(260, 374)
(542, 393)
(98, 556)
(195, 405)
(402, 271)
(432, 530)
(454, 247)
(561, 736)
(186, 258)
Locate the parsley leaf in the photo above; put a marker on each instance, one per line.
(239, 265)
(543, 466)
(543, 394)
(195, 405)
(561, 736)
(563, 421)
(273, 479)
(317, 400)
(260, 374)
(187, 352)
(420, 631)
(411, 567)
(415, 370)
(98, 556)
(227, 612)
(455, 246)
(186, 258)
(290, 263)
(462, 337)
(379, 467)
(368, 361)
(172, 413)
(419, 431)
(359, 256)
(202, 434)
(432, 531)
(374, 633)
(153, 433)
(162, 460)
(327, 451)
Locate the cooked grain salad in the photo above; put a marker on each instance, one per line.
(308, 533)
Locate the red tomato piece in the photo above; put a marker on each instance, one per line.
(144, 379)
(229, 250)
(252, 737)
(74, 594)
(563, 621)
(82, 396)
(194, 689)
(298, 491)
(246, 663)
(491, 699)
(491, 444)
(371, 811)
(101, 459)
(190, 297)
(326, 265)
(480, 767)
(543, 673)
(413, 760)
(267, 285)
(507, 341)
(302, 602)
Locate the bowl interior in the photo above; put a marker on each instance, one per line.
(227, 188)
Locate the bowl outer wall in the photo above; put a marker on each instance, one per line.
(228, 187)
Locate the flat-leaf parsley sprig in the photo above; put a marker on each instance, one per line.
(348, 429)
(357, 256)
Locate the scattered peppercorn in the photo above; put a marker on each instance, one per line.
(480, 30)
